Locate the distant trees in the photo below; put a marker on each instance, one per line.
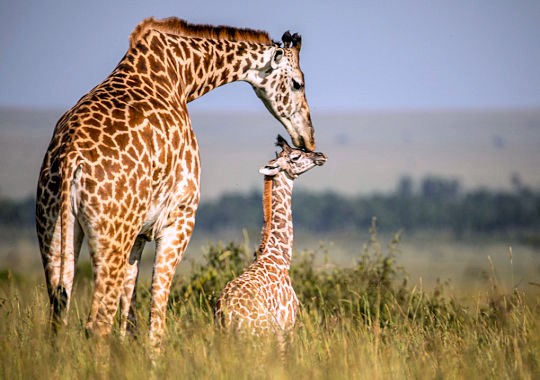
(433, 203)
(17, 213)
(233, 210)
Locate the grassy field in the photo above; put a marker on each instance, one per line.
(368, 320)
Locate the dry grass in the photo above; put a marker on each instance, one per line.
(358, 323)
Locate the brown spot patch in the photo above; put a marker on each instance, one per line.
(141, 65)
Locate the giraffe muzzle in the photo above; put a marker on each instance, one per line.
(320, 158)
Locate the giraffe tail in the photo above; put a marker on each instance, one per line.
(60, 294)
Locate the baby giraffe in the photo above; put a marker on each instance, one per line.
(262, 298)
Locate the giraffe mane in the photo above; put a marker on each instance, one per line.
(177, 26)
(267, 213)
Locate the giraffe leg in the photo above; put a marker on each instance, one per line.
(109, 262)
(170, 248)
(128, 299)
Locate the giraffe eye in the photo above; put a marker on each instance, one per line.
(296, 85)
(295, 157)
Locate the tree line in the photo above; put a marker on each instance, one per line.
(432, 203)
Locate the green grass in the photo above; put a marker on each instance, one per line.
(363, 321)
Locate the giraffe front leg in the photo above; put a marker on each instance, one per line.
(170, 248)
(128, 299)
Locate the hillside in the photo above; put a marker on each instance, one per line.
(367, 151)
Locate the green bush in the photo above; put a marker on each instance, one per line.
(221, 264)
(372, 292)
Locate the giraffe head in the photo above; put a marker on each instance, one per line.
(292, 161)
(280, 85)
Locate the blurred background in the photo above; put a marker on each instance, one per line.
(429, 113)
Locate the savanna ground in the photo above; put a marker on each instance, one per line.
(371, 314)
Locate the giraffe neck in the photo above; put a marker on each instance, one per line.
(277, 232)
(193, 66)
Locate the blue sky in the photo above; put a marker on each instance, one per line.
(357, 55)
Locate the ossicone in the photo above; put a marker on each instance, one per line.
(291, 40)
(281, 142)
(287, 39)
(297, 41)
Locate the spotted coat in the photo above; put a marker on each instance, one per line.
(122, 167)
(262, 298)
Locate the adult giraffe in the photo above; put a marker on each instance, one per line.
(122, 167)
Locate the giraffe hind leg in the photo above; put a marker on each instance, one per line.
(110, 255)
(108, 283)
(170, 248)
(128, 299)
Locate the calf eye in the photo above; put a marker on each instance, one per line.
(297, 86)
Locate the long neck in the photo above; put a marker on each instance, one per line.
(215, 63)
(277, 232)
(198, 65)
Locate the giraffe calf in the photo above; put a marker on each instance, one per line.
(262, 298)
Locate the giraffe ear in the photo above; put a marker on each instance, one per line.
(273, 167)
(276, 58)
(270, 170)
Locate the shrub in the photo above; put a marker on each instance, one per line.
(221, 264)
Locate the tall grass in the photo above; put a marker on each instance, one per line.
(360, 322)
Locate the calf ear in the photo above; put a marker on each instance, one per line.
(270, 169)
(274, 167)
